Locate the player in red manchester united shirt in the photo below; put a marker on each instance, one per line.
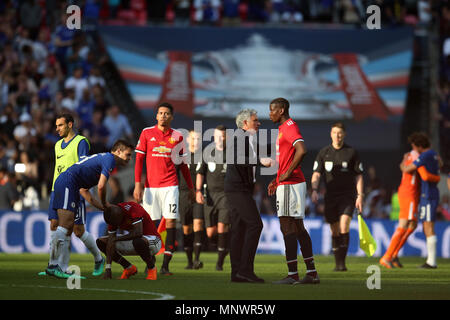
(157, 146)
(290, 189)
(141, 238)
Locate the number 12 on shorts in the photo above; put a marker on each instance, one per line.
(173, 208)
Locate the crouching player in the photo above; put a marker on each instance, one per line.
(141, 238)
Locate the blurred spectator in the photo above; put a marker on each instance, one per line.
(207, 11)
(116, 195)
(444, 124)
(27, 171)
(69, 102)
(349, 12)
(91, 12)
(51, 83)
(8, 190)
(113, 7)
(100, 100)
(230, 12)
(118, 126)
(424, 11)
(77, 82)
(95, 77)
(182, 9)
(8, 121)
(96, 133)
(62, 40)
(86, 107)
(31, 16)
(24, 131)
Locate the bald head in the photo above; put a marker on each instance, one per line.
(113, 215)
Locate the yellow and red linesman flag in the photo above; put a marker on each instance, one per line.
(163, 233)
(366, 242)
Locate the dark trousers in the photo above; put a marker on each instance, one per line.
(246, 227)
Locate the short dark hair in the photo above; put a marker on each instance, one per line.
(282, 103)
(339, 125)
(67, 117)
(419, 139)
(221, 127)
(165, 105)
(121, 145)
(113, 215)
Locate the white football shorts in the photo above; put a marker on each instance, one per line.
(161, 202)
(291, 199)
(126, 248)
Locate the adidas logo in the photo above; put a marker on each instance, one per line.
(153, 139)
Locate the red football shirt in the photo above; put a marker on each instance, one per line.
(288, 135)
(135, 213)
(157, 148)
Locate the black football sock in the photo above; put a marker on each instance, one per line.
(197, 244)
(345, 240)
(336, 247)
(290, 243)
(169, 247)
(222, 241)
(188, 246)
(141, 247)
(306, 248)
(212, 243)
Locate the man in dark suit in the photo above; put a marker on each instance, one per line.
(246, 223)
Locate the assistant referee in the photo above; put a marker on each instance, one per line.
(344, 189)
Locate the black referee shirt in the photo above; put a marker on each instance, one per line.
(193, 168)
(340, 167)
(214, 171)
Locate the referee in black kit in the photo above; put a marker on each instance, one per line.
(217, 217)
(344, 189)
(246, 223)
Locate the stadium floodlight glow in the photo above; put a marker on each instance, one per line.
(19, 167)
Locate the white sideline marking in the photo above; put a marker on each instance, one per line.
(162, 296)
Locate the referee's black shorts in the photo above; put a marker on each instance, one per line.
(188, 210)
(337, 205)
(216, 209)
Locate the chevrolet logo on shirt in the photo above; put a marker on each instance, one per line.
(162, 149)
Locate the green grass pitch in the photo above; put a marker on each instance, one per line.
(19, 281)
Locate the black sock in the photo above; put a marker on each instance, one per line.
(141, 247)
(169, 247)
(305, 243)
(222, 242)
(290, 243)
(197, 244)
(212, 243)
(336, 247)
(188, 246)
(306, 248)
(345, 240)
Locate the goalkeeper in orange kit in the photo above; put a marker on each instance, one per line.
(408, 196)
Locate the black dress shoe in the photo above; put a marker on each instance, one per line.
(236, 279)
(250, 278)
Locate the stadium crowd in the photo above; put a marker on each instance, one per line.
(46, 69)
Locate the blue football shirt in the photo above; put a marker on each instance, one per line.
(429, 159)
(87, 171)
